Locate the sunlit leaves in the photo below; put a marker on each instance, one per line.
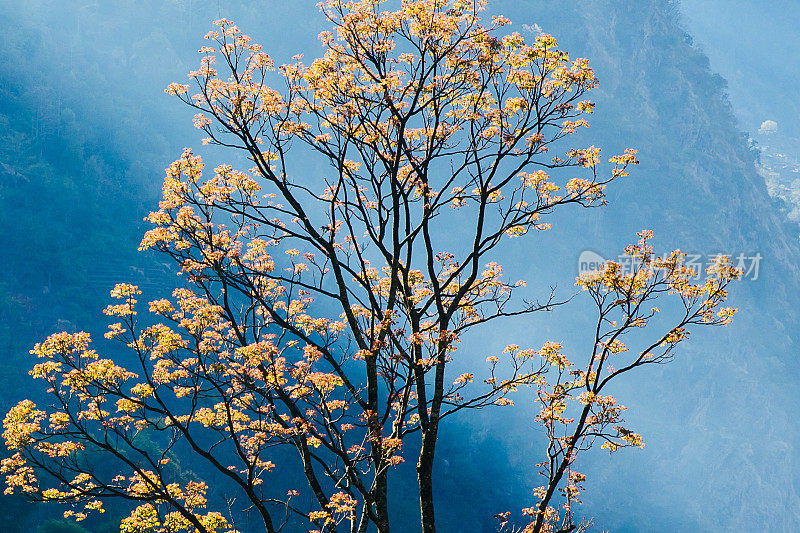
(324, 312)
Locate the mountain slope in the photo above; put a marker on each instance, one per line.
(722, 452)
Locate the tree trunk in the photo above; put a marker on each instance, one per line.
(425, 479)
(381, 505)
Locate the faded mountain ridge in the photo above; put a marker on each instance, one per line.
(722, 452)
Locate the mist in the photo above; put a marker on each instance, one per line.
(87, 131)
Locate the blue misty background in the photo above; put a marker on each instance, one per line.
(86, 131)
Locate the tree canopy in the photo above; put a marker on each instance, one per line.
(324, 313)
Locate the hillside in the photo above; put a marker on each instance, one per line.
(722, 453)
(722, 450)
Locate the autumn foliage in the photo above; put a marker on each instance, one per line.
(327, 294)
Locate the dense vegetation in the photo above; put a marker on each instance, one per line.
(78, 153)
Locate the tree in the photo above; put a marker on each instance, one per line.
(323, 313)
